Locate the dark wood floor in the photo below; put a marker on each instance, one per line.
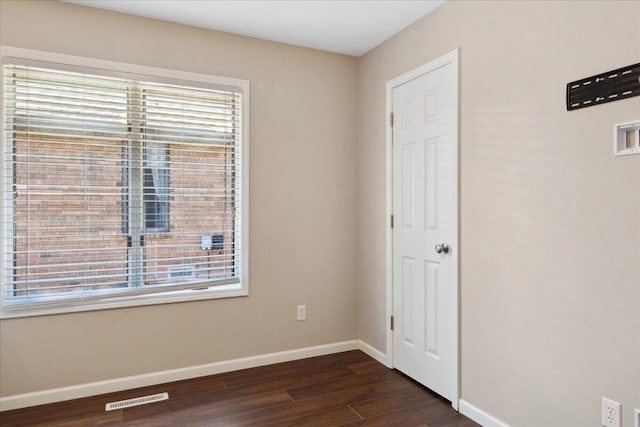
(340, 389)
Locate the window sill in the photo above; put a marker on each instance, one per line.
(223, 291)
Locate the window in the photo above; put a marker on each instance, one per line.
(112, 176)
(155, 182)
(156, 188)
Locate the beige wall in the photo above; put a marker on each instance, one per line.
(303, 195)
(550, 229)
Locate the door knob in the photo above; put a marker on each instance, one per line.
(442, 248)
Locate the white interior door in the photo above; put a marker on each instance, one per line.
(424, 235)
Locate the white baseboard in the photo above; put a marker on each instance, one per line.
(374, 353)
(118, 384)
(478, 415)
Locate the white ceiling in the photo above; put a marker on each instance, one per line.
(342, 26)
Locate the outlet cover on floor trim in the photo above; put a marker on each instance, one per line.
(610, 413)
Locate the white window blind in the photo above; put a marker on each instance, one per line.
(116, 185)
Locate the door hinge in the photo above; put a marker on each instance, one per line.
(391, 221)
(392, 323)
(391, 119)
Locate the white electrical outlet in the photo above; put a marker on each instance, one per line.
(636, 417)
(302, 312)
(610, 413)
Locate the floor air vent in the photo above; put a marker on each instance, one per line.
(136, 401)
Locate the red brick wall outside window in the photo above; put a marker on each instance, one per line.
(50, 204)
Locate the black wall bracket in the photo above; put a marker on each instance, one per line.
(606, 87)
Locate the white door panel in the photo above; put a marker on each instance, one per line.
(424, 203)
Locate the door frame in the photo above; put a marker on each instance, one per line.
(453, 58)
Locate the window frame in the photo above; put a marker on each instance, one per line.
(111, 68)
